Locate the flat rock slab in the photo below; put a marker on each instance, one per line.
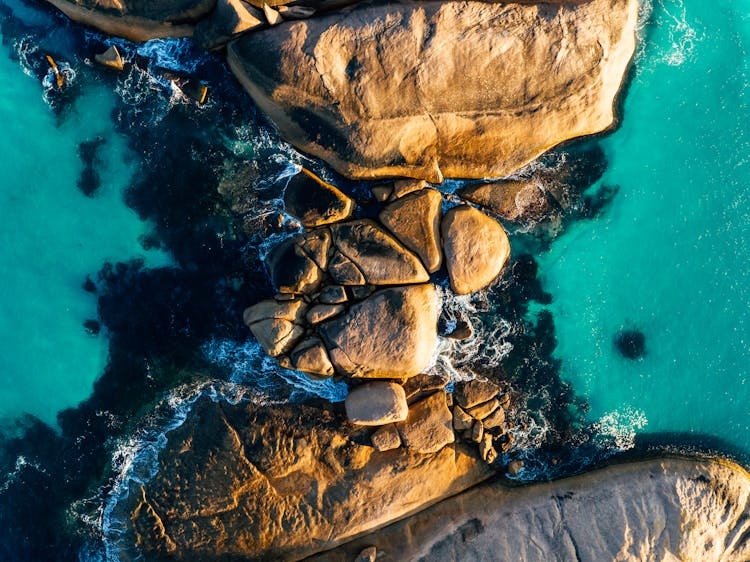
(476, 248)
(390, 334)
(281, 482)
(376, 403)
(375, 92)
(661, 509)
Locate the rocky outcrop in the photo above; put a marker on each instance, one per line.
(666, 509)
(280, 483)
(138, 20)
(391, 334)
(476, 248)
(375, 92)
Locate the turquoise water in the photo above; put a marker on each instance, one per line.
(52, 237)
(672, 255)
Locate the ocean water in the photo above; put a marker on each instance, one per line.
(671, 257)
(53, 236)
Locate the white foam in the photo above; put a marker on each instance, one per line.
(616, 430)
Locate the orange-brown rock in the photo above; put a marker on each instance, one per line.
(658, 509)
(390, 334)
(138, 20)
(279, 483)
(415, 220)
(375, 92)
(476, 248)
(315, 202)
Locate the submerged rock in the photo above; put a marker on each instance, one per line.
(476, 248)
(392, 333)
(630, 343)
(374, 91)
(280, 482)
(663, 509)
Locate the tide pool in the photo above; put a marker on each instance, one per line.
(52, 237)
(671, 257)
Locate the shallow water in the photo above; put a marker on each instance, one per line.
(52, 237)
(671, 256)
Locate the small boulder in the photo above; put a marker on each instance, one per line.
(415, 220)
(315, 202)
(477, 431)
(344, 271)
(429, 426)
(311, 357)
(381, 193)
(470, 393)
(514, 467)
(110, 58)
(380, 257)
(320, 312)
(476, 248)
(276, 325)
(229, 20)
(495, 419)
(316, 245)
(367, 554)
(461, 420)
(481, 411)
(272, 16)
(291, 269)
(403, 187)
(392, 333)
(386, 438)
(333, 294)
(376, 403)
(462, 331)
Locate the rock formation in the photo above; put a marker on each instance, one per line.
(667, 509)
(280, 483)
(375, 92)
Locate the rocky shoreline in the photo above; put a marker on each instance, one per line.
(373, 90)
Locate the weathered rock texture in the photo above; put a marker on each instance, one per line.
(434, 89)
(670, 509)
(280, 483)
(392, 333)
(138, 20)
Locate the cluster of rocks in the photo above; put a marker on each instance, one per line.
(354, 296)
(422, 417)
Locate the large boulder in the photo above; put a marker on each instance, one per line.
(375, 92)
(294, 267)
(476, 248)
(378, 255)
(229, 19)
(390, 334)
(281, 482)
(415, 220)
(660, 509)
(429, 426)
(138, 20)
(277, 326)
